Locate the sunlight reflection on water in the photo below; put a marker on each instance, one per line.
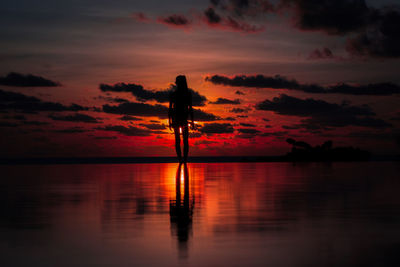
(230, 214)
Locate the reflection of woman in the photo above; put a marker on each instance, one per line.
(180, 107)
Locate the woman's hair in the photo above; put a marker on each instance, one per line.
(181, 82)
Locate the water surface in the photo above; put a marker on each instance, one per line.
(215, 214)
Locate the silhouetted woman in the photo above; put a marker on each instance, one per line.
(180, 108)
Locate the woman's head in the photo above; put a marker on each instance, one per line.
(181, 82)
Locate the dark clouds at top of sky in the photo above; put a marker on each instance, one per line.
(375, 29)
(144, 95)
(322, 114)
(280, 82)
(26, 80)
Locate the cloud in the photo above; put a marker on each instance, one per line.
(248, 131)
(229, 119)
(322, 114)
(333, 17)
(239, 110)
(381, 39)
(7, 124)
(224, 101)
(128, 131)
(324, 53)
(137, 109)
(153, 126)
(77, 117)
(31, 104)
(247, 124)
(144, 95)
(200, 115)
(147, 110)
(129, 118)
(28, 80)
(281, 82)
(175, 20)
(216, 21)
(72, 130)
(211, 16)
(239, 92)
(276, 134)
(105, 137)
(375, 28)
(141, 17)
(35, 123)
(216, 128)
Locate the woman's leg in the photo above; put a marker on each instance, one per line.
(185, 134)
(178, 143)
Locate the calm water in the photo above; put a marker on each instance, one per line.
(230, 214)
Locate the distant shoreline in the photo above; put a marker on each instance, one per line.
(125, 160)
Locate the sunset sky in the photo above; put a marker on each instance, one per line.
(90, 78)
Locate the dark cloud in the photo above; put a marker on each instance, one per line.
(105, 137)
(280, 82)
(217, 128)
(211, 16)
(247, 124)
(242, 116)
(147, 110)
(77, 117)
(244, 8)
(239, 92)
(239, 110)
(8, 124)
(15, 117)
(323, 114)
(137, 109)
(35, 123)
(265, 119)
(276, 134)
(223, 101)
(381, 39)
(331, 16)
(141, 17)
(72, 130)
(129, 118)
(175, 20)
(129, 131)
(324, 53)
(229, 22)
(31, 104)
(376, 29)
(229, 119)
(153, 126)
(291, 127)
(28, 80)
(200, 115)
(248, 131)
(258, 81)
(143, 95)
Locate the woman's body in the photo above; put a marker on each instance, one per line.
(180, 108)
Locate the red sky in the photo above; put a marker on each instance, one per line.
(82, 46)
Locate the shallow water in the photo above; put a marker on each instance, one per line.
(219, 214)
